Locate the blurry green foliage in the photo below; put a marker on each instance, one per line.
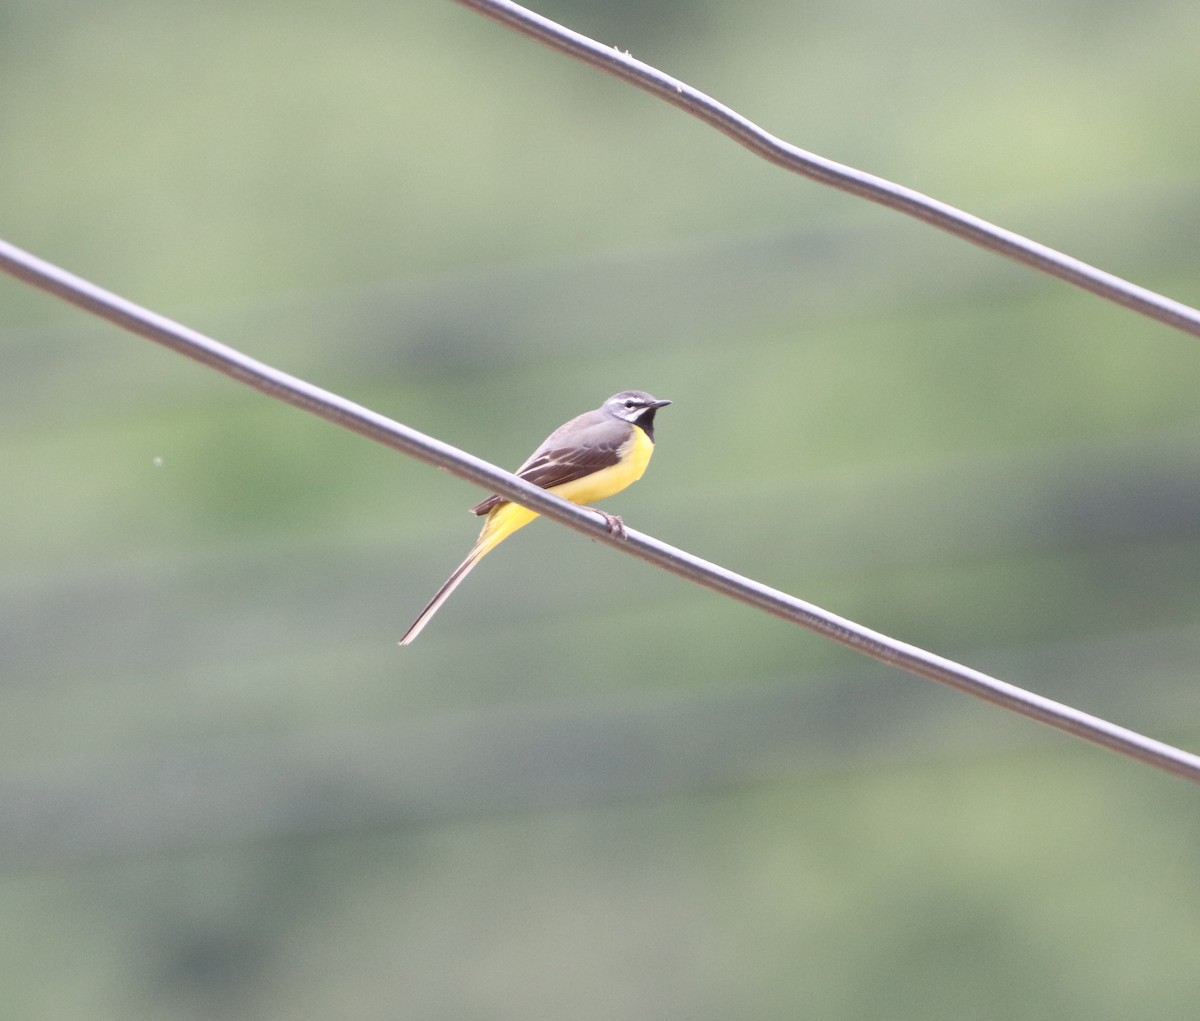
(227, 793)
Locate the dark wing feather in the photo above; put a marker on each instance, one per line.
(582, 446)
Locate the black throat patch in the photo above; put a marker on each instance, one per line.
(645, 419)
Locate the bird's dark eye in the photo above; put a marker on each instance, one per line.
(631, 404)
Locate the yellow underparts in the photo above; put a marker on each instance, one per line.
(633, 457)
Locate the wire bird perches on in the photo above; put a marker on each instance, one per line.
(340, 411)
(745, 132)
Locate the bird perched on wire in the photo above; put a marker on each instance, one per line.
(591, 457)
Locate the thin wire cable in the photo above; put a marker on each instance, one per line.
(876, 189)
(349, 415)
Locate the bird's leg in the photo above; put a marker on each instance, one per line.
(615, 525)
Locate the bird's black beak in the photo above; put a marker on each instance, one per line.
(660, 404)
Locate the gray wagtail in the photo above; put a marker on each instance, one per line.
(592, 456)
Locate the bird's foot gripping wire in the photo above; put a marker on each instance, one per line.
(615, 525)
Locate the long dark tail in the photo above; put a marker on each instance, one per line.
(435, 604)
(501, 522)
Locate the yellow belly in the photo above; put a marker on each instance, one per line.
(631, 465)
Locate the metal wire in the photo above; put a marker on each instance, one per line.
(745, 132)
(349, 415)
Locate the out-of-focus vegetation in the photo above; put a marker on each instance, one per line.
(591, 791)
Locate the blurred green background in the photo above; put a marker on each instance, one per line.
(592, 791)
